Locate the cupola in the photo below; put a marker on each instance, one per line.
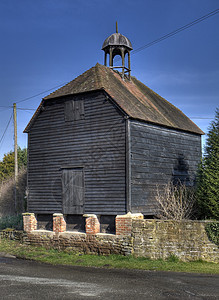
(118, 44)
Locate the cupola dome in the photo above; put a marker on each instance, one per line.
(117, 39)
(118, 44)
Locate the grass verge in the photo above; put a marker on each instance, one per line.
(56, 257)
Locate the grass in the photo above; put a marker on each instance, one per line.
(56, 257)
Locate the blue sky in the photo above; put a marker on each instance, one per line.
(45, 43)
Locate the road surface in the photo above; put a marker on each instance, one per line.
(22, 279)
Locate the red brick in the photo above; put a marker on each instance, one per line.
(92, 225)
(59, 224)
(30, 222)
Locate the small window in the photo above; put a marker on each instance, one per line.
(74, 110)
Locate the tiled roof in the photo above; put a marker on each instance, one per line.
(135, 98)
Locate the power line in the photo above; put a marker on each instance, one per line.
(5, 109)
(200, 118)
(28, 111)
(212, 13)
(26, 108)
(32, 109)
(5, 129)
(21, 108)
(25, 99)
(28, 98)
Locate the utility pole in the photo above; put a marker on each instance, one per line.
(15, 156)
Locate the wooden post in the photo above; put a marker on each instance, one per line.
(15, 156)
(111, 57)
(105, 60)
(129, 65)
(123, 62)
(128, 164)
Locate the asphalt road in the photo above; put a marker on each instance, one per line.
(21, 279)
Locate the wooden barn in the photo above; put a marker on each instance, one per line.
(103, 142)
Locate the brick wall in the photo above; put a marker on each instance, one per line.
(147, 238)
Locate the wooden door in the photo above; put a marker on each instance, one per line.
(73, 191)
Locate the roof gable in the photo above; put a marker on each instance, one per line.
(132, 96)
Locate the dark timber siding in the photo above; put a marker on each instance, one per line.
(95, 143)
(158, 155)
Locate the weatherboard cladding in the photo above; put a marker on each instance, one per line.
(96, 143)
(159, 155)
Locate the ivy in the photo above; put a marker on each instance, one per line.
(212, 230)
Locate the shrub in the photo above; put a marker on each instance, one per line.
(14, 222)
(175, 202)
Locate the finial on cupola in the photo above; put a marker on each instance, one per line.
(118, 44)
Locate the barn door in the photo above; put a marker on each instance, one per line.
(73, 191)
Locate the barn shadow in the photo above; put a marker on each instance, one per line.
(181, 172)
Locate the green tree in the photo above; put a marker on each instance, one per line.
(208, 177)
(7, 163)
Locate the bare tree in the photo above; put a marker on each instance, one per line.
(175, 202)
(7, 205)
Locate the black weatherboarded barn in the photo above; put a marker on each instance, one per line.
(101, 144)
